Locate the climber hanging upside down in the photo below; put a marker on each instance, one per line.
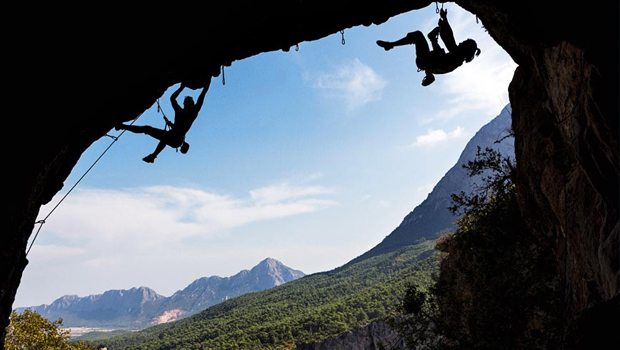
(436, 61)
(183, 120)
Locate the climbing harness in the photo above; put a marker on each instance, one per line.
(160, 109)
(42, 221)
(342, 35)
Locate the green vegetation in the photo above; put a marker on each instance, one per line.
(32, 331)
(310, 309)
(98, 336)
(497, 287)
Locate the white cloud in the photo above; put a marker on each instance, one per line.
(480, 85)
(354, 82)
(164, 237)
(434, 137)
(101, 239)
(161, 214)
(55, 251)
(284, 192)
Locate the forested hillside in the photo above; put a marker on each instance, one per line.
(310, 309)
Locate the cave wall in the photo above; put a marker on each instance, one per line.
(565, 96)
(79, 75)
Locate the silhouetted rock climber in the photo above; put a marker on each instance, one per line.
(436, 61)
(183, 120)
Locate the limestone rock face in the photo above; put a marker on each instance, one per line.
(87, 72)
(568, 164)
(565, 117)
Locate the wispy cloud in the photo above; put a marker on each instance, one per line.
(102, 239)
(354, 82)
(481, 85)
(100, 226)
(434, 137)
(164, 213)
(286, 192)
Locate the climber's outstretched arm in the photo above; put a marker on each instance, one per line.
(173, 98)
(203, 93)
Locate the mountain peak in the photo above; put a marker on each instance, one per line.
(271, 262)
(140, 306)
(276, 270)
(272, 272)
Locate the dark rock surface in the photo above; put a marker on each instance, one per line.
(92, 69)
(564, 97)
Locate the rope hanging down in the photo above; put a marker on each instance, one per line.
(223, 76)
(161, 110)
(42, 221)
(437, 7)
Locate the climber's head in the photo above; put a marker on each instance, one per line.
(188, 102)
(184, 147)
(469, 49)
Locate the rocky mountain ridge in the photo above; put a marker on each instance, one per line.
(142, 306)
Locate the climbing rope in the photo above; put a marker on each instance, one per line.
(223, 76)
(167, 127)
(437, 7)
(161, 110)
(42, 221)
(342, 35)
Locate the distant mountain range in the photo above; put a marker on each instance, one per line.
(140, 307)
(339, 309)
(432, 217)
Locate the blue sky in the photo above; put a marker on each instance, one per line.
(310, 157)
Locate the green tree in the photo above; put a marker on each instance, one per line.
(32, 331)
(497, 287)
